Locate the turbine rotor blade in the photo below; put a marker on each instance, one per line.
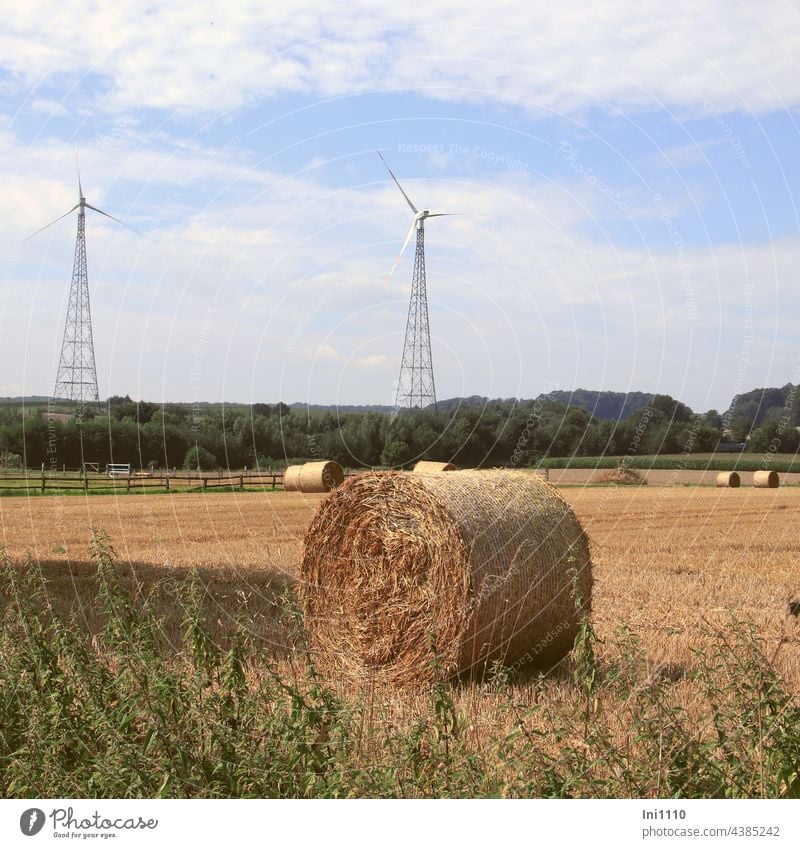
(94, 208)
(78, 165)
(53, 222)
(408, 200)
(402, 249)
(445, 214)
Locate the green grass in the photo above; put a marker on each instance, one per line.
(125, 713)
(693, 462)
(75, 491)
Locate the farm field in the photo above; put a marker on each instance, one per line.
(673, 568)
(720, 461)
(657, 477)
(663, 557)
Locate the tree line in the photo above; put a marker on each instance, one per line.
(498, 433)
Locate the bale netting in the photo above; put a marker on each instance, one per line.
(728, 480)
(426, 466)
(408, 578)
(766, 479)
(291, 478)
(313, 477)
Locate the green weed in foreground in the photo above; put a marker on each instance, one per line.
(118, 714)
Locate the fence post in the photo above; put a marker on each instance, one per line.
(43, 479)
(241, 482)
(128, 487)
(203, 483)
(167, 479)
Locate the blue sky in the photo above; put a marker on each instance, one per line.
(632, 171)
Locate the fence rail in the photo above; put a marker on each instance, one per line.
(167, 480)
(65, 480)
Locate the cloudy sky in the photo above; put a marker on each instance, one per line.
(630, 170)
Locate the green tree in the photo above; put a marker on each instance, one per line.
(740, 428)
(396, 453)
(774, 438)
(198, 457)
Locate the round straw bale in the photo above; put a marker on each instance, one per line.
(412, 577)
(425, 466)
(313, 477)
(291, 478)
(766, 479)
(728, 480)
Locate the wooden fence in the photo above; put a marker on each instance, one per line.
(32, 480)
(166, 480)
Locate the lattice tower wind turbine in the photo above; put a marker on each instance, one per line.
(416, 387)
(76, 378)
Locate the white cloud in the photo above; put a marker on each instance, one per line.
(48, 108)
(369, 362)
(324, 352)
(562, 57)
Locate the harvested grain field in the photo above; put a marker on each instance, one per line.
(658, 477)
(668, 561)
(673, 568)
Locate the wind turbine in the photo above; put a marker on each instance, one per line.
(416, 386)
(76, 379)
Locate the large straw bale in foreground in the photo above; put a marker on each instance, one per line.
(766, 479)
(313, 477)
(485, 565)
(426, 466)
(728, 480)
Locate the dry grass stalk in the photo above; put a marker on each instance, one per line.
(728, 480)
(766, 479)
(399, 570)
(313, 477)
(425, 466)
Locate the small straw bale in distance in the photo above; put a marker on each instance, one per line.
(766, 479)
(411, 578)
(623, 476)
(728, 480)
(313, 477)
(426, 466)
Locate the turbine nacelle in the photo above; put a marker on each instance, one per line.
(419, 217)
(81, 206)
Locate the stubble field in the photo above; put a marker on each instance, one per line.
(666, 560)
(674, 567)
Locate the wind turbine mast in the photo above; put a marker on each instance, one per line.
(416, 387)
(76, 379)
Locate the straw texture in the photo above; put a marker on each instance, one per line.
(766, 479)
(624, 476)
(313, 477)
(728, 480)
(410, 578)
(426, 466)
